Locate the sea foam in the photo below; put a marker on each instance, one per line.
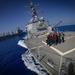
(22, 43)
(31, 62)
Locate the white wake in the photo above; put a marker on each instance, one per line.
(31, 62)
(22, 43)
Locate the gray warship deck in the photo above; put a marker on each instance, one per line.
(42, 52)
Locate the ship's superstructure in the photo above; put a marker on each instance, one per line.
(37, 25)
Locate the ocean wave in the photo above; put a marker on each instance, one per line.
(22, 43)
(31, 62)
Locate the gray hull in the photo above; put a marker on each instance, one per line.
(57, 54)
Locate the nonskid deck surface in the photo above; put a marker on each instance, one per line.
(43, 52)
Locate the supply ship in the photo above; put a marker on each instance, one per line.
(17, 32)
(56, 59)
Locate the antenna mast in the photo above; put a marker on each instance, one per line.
(33, 10)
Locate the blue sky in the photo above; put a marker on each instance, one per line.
(12, 13)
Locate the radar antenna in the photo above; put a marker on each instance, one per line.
(33, 10)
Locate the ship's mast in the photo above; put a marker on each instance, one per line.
(33, 10)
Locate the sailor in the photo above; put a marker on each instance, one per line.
(58, 37)
(47, 38)
(54, 38)
(62, 36)
(50, 39)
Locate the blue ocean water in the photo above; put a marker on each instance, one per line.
(11, 53)
(10, 58)
(66, 28)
